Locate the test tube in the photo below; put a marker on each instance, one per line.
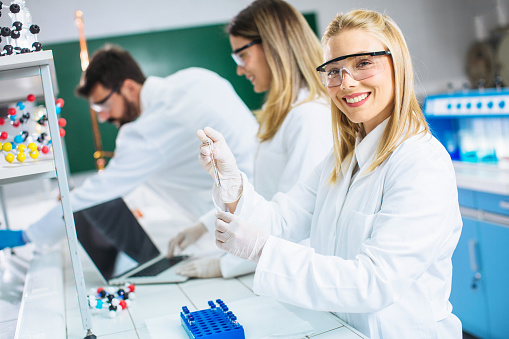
(213, 161)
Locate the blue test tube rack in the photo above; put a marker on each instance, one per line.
(216, 322)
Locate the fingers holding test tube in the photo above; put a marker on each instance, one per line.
(217, 159)
(207, 160)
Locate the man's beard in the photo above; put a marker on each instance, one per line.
(130, 114)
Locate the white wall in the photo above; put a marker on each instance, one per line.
(438, 32)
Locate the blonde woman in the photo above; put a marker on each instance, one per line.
(381, 210)
(276, 50)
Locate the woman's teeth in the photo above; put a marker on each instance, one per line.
(357, 99)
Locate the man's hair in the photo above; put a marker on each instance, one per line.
(109, 66)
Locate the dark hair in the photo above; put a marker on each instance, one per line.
(109, 66)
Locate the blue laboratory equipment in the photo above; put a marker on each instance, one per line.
(216, 322)
(472, 125)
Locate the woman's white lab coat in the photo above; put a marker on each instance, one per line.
(300, 144)
(381, 244)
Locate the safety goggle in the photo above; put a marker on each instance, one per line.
(239, 58)
(103, 104)
(359, 66)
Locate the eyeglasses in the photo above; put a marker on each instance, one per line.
(239, 59)
(102, 105)
(359, 66)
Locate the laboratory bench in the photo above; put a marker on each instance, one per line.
(479, 295)
(49, 303)
(49, 306)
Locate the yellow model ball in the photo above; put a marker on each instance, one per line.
(7, 146)
(9, 157)
(21, 156)
(34, 154)
(32, 146)
(21, 148)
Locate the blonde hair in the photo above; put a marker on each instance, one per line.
(406, 119)
(292, 51)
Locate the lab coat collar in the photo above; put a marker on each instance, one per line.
(149, 90)
(303, 95)
(366, 147)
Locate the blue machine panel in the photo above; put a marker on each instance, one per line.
(488, 102)
(472, 125)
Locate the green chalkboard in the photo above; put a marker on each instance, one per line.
(158, 53)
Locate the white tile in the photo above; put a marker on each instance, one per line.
(42, 310)
(339, 333)
(168, 326)
(102, 324)
(321, 321)
(132, 334)
(144, 333)
(154, 301)
(247, 280)
(7, 329)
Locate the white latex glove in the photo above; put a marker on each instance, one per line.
(238, 237)
(201, 268)
(229, 174)
(185, 238)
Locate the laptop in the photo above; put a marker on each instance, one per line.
(121, 249)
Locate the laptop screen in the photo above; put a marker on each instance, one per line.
(113, 238)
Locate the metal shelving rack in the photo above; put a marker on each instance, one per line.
(34, 71)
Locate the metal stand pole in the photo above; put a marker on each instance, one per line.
(61, 175)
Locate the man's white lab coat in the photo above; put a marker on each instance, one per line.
(159, 149)
(300, 144)
(381, 244)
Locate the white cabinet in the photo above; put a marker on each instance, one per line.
(32, 72)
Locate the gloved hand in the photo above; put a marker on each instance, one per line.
(201, 268)
(185, 238)
(229, 174)
(11, 239)
(238, 237)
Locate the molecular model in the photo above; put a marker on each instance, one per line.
(25, 129)
(112, 299)
(216, 322)
(21, 36)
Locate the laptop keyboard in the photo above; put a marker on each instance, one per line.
(159, 266)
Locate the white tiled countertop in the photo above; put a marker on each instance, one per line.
(482, 177)
(155, 313)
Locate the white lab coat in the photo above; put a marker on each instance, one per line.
(300, 144)
(159, 149)
(381, 247)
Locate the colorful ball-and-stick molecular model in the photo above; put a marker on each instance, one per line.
(25, 129)
(21, 36)
(112, 299)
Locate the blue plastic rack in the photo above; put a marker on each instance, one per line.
(216, 322)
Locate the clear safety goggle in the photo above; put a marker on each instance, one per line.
(103, 104)
(359, 66)
(239, 57)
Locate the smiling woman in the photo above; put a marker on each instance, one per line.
(381, 210)
(366, 90)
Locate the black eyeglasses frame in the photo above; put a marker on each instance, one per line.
(240, 49)
(322, 69)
